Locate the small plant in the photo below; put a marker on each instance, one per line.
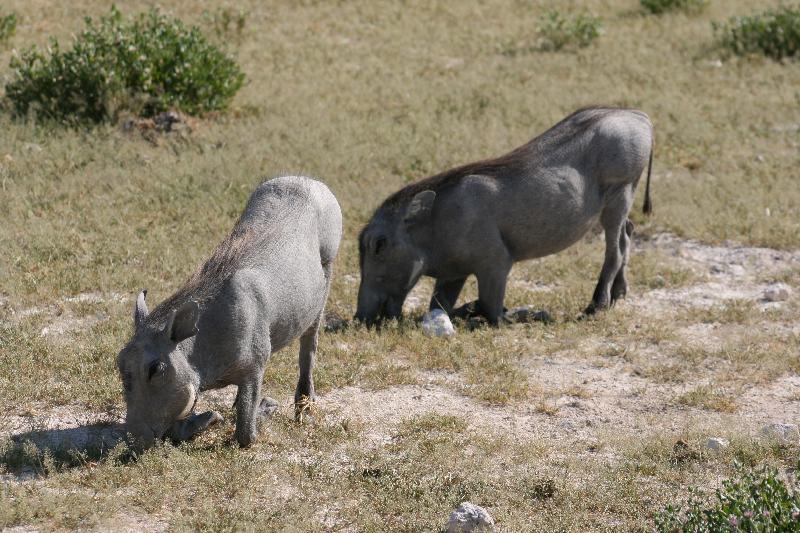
(658, 7)
(753, 501)
(774, 33)
(8, 27)
(226, 23)
(558, 31)
(146, 65)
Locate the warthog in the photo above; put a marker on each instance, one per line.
(265, 285)
(482, 217)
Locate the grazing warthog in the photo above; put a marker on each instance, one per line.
(265, 285)
(482, 217)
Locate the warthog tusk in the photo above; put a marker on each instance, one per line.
(190, 404)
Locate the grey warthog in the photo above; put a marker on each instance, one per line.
(265, 285)
(482, 217)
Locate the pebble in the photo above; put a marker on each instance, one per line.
(781, 432)
(777, 292)
(717, 444)
(436, 323)
(469, 517)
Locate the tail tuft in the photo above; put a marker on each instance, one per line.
(647, 209)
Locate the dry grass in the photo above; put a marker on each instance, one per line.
(569, 426)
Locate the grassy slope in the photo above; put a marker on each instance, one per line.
(368, 96)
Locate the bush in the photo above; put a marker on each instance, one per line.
(146, 65)
(8, 26)
(662, 6)
(754, 501)
(558, 31)
(774, 33)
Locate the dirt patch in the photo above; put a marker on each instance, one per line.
(732, 272)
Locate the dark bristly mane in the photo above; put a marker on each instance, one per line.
(245, 244)
(506, 164)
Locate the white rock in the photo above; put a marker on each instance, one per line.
(777, 292)
(781, 432)
(437, 324)
(469, 517)
(716, 444)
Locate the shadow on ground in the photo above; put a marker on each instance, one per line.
(33, 453)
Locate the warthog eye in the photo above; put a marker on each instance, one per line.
(156, 367)
(380, 244)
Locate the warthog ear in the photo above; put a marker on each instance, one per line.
(140, 311)
(420, 207)
(182, 323)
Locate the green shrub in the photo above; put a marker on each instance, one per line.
(662, 6)
(754, 501)
(558, 31)
(146, 65)
(8, 26)
(774, 33)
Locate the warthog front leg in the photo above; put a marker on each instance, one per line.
(445, 294)
(304, 394)
(248, 403)
(492, 290)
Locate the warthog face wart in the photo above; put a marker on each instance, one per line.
(158, 389)
(390, 262)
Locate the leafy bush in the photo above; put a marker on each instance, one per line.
(559, 31)
(662, 6)
(146, 65)
(754, 501)
(774, 33)
(8, 26)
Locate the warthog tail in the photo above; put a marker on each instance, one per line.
(647, 209)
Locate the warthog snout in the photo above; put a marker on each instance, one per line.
(374, 307)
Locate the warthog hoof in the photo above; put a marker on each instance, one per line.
(193, 425)
(304, 409)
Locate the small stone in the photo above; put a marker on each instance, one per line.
(436, 323)
(781, 432)
(777, 292)
(165, 120)
(717, 444)
(469, 517)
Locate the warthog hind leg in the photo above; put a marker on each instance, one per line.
(619, 289)
(614, 220)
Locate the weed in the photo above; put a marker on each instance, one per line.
(662, 6)
(754, 500)
(558, 31)
(226, 23)
(8, 27)
(708, 397)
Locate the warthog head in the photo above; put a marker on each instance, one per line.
(391, 264)
(160, 387)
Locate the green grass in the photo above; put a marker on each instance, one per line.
(372, 96)
(663, 6)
